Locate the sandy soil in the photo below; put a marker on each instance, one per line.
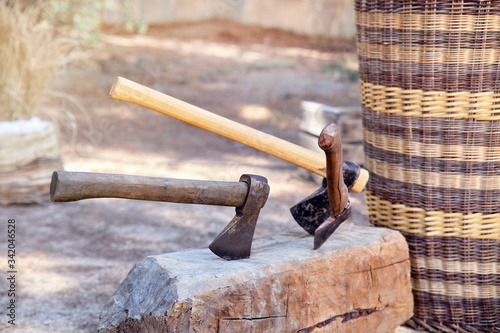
(72, 256)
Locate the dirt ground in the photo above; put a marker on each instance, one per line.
(73, 256)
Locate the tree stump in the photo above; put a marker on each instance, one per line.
(358, 281)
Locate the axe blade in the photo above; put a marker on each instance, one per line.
(314, 210)
(235, 240)
(325, 230)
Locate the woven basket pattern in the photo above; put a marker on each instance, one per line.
(430, 91)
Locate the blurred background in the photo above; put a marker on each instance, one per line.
(253, 61)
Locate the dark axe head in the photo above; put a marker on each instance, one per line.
(312, 211)
(323, 211)
(235, 240)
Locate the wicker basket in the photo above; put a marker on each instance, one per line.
(430, 90)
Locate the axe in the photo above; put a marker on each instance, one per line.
(338, 197)
(311, 212)
(248, 195)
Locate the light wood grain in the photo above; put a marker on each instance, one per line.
(129, 91)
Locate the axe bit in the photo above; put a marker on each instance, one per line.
(315, 209)
(310, 212)
(248, 195)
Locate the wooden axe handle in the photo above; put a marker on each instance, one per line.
(73, 186)
(129, 91)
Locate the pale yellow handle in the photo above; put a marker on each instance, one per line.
(129, 91)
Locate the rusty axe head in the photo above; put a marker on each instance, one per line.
(235, 240)
(314, 213)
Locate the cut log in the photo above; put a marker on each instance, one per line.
(359, 281)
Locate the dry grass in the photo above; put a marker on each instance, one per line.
(30, 54)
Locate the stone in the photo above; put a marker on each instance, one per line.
(358, 281)
(315, 116)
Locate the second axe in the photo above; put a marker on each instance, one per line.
(355, 178)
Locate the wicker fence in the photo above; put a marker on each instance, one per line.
(430, 90)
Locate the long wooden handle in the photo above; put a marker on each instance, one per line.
(129, 91)
(73, 186)
(329, 141)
